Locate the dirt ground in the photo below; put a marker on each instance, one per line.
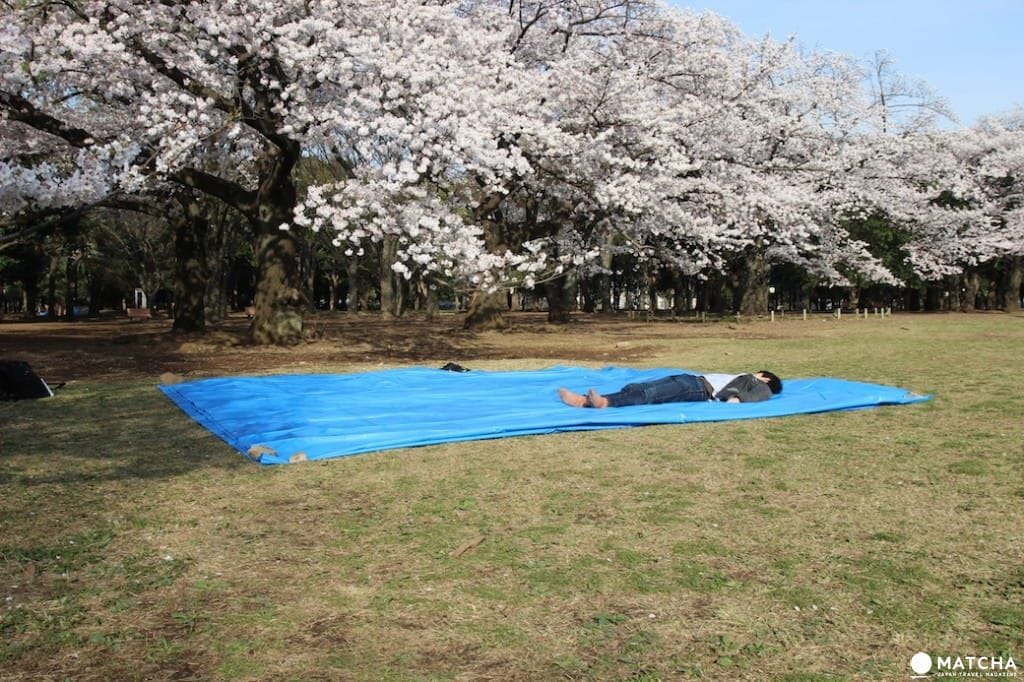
(117, 349)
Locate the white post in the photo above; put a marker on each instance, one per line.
(773, 316)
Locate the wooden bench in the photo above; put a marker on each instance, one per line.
(138, 314)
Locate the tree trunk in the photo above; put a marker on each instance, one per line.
(971, 286)
(681, 292)
(486, 309)
(193, 272)
(587, 288)
(855, 294)
(69, 296)
(94, 287)
(1012, 274)
(915, 298)
(352, 275)
(651, 281)
(308, 269)
(605, 279)
(51, 291)
(953, 287)
(216, 304)
(428, 294)
(753, 285)
(401, 289)
(279, 301)
(334, 282)
(390, 299)
(713, 298)
(561, 295)
(30, 295)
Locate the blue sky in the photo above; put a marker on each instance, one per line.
(970, 52)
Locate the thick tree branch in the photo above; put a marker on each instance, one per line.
(20, 109)
(230, 193)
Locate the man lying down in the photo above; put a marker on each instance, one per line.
(683, 388)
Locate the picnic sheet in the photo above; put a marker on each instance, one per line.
(288, 418)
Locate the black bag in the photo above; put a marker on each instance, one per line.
(452, 367)
(18, 382)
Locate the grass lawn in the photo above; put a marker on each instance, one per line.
(135, 545)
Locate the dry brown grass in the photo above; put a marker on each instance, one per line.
(137, 546)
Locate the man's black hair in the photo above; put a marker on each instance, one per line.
(774, 382)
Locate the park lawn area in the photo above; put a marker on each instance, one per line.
(135, 545)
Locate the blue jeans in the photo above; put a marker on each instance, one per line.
(678, 388)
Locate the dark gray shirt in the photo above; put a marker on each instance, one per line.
(747, 387)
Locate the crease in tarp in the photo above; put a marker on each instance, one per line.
(279, 419)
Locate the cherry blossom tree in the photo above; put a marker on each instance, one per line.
(143, 101)
(969, 210)
(679, 140)
(596, 136)
(482, 145)
(1000, 174)
(223, 97)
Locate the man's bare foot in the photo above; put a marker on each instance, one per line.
(595, 399)
(572, 399)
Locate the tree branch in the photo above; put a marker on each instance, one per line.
(20, 109)
(230, 193)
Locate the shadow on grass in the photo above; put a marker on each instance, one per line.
(116, 350)
(113, 432)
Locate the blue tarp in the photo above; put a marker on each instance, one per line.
(278, 419)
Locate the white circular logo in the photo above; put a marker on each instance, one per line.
(921, 663)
